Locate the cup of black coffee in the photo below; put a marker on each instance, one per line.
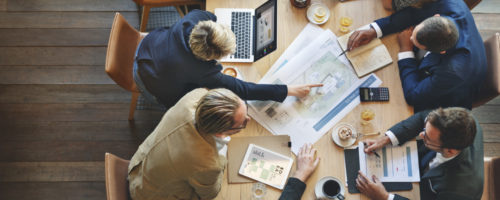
(329, 188)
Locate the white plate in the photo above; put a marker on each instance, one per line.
(344, 143)
(312, 8)
(318, 189)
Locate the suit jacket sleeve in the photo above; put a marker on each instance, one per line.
(293, 189)
(398, 197)
(403, 19)
(207, 183)
(419, 91)
(246, 90)
(410, 128)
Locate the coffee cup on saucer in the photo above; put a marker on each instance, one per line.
(328, 188)
(344, 135)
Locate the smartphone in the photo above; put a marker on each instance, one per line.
(374, 94)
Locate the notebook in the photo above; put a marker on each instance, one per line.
(367, 58)
(255, 30)
(351, 157)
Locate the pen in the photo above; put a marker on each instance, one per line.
(376, 154)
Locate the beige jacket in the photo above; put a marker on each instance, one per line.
(175, 161)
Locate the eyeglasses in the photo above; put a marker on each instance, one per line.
(426, 138)
(244, 125)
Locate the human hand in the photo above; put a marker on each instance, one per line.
(373, 188)
(301, 91)
(360, 38)
(374, 144)
(404, 41)
(306, 163)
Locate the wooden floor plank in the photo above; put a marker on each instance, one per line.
(53, 190)
(63, 19)
(64, 151)
(18, 37)
(492, 149)
(76, 131)
(491, 132)
(486, 21)
(63, 56)
(51, 171)
(71, 5)
(93, 74)
(3, 5)
(70, 93)
(72, 112)
(487, 113)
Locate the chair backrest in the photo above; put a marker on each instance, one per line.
(491, 85)
(116, 170)
(122, 44)
(472, 3)
(491, 188)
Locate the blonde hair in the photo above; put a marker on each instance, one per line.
(215, 111)
(210, 40)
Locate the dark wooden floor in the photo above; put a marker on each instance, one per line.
(59, 112)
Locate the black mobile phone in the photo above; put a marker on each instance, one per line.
(374, 94)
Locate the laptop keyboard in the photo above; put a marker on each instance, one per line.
(240, 25)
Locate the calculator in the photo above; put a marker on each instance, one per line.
(374, 94)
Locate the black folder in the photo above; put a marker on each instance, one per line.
(352, 167)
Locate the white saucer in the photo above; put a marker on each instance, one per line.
(318, 190)
(312, 8)
(344, 143)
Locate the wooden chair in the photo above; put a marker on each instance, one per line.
(148, 4)
(491, 85)
(122, 44)
(491, 188)
(116, 170)
(472, 3)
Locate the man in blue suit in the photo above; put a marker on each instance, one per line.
(450, 156)
(454, 64)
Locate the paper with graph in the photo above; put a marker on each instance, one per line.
(395, 164)
(366, 58)
(307, 119)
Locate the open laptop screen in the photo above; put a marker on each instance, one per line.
(265, 29)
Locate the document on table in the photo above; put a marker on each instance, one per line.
(395, 164)
(308, 34)
(307, 119)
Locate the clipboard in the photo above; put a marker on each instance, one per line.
(351, 157)
(237, 147)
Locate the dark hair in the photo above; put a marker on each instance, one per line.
(457, 127)
(437, 34)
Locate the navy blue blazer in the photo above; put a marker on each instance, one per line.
(448, 80)
(170, 70)
(460, 178)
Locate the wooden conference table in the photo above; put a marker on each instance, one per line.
(291, 21)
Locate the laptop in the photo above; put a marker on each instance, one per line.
(255, 31)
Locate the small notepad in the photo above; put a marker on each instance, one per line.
(266, 166)
(367, 58)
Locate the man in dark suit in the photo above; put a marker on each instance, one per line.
(454, 65)
(450, 156)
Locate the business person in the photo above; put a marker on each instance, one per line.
(454, 62)
(450, 157)
(180, 159)
(170, 62)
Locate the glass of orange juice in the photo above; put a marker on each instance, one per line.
(366, 116)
